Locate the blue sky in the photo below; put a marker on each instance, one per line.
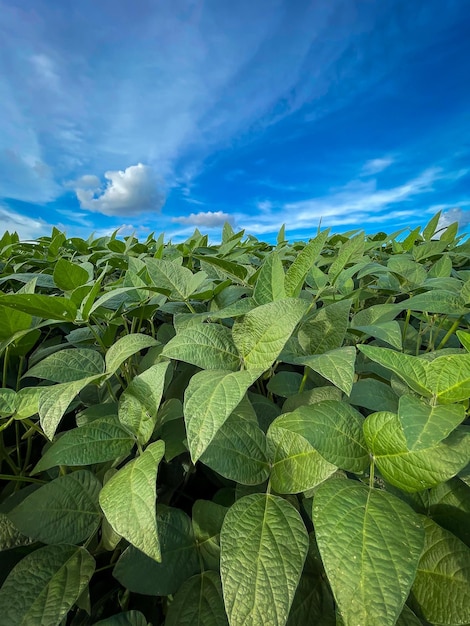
(171, 115)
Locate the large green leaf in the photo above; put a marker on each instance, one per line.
(370, 543)
(45, 307)
(448, 377)
(128, 500)
(336, 366)
(126, 347)
(43, 586)
(261, 334)
(101, 440)
(296, 465)
(334, 429)
(68, 365)
(270, 282)
(209, 346)
(198, 602)
(374, 395)
(66, 510)
(263, 546)
(411, 369)
(437, 301)
(325, 329)
(238, 451)
(425, 425)
(139, 404)
(210, 398)
(12, 321)
(170, 276)
(69, 276)
(10, 536)
(141, 574)
(55, 400)
(413, 470)
(442, 584)
(298, 270)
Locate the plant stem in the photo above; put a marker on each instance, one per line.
(5, 366)
(371, 473)
(449, 333)
(22, 479)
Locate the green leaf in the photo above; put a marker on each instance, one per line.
(45, 307)
(208, 401)
(27, 402)
(448, 377)
(442, 585)
(68, 365)
(270, 282)
(262, 333)
(207, 518)
(426, 425)
(430, 228)
(390, 332)
(12, 321)
(411, 369)
(198, 602)
(10, 536)
(370, 543)
(69, 276)
(66, 510)
(464, 338)
(170, 276)
(437, 301)
(55, 400)
(263, 545)
(296, 465)
(126, 347)
(408, 618)
(7, 402)
(448, 505)
(336, 366)
(139, 404)
(44, 585)
(413, 470)
(374, 395)
(285, 384)
(298, 270)
(141, 574)
(350, 251)
(128, 500)
(326, 329)
(128, 618)
(334, 429)
(101, 440)
(209, 346)
(238, 451)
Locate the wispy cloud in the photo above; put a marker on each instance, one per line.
(208, 219)
(26, 227)
(357, 202)
(135, 190)
(375, 166)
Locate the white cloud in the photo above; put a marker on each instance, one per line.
(135, 190)
(26, 227)
(455, 214)
(375, 166)
(209, 219)
(89, 181)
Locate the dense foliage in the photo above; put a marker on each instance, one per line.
(239, 434)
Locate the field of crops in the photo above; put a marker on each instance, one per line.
(239, 434)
